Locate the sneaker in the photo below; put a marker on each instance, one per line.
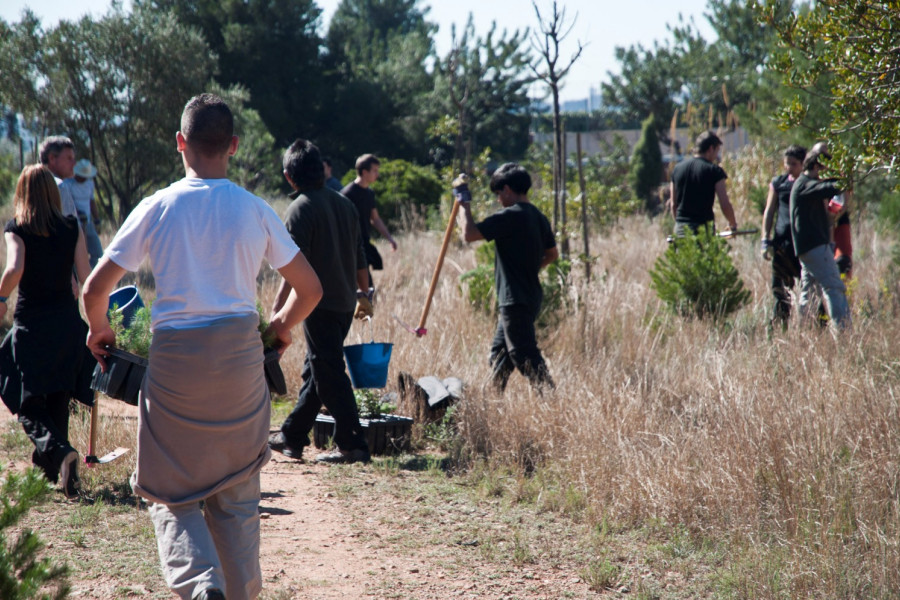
(68, 475)
(278, 443)
(344, 457)
(210, 594)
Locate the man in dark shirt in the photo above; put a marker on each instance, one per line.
(696, 183)
(811, 229)
(330, 180)
(780, 248)
(524, 245)
(325, 227)
(359, 192)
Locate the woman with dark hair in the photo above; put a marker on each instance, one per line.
(43, 359)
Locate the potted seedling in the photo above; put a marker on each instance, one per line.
(127, 363)
(385, 433)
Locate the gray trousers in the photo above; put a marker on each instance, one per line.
(213, 547)
(819, 273)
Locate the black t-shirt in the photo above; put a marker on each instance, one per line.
(522, 235)
(782, 186)
(364, 201)
(810, 225)
(695, 182)
(47, 275)
(325, 227)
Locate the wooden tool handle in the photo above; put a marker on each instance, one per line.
(95, 417)
(440, 263)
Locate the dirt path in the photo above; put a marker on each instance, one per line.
(385, 530)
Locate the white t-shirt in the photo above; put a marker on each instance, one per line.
(65, 196)
(206, 239)
(81, 192)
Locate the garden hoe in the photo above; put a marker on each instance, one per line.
(461, 181)
(728, 234)
(91, 458)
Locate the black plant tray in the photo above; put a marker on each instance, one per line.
(124, 374)
(274, 374)
(388, 434)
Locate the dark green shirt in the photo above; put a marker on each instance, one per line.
(325, 226)
(522, 235)
(810, 225)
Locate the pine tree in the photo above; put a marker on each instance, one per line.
(23, 575)
(646, 166)
(696, 277)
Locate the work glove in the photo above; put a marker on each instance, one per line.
(767, 249)
(363, 308)
(461, 189)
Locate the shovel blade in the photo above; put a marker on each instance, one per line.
(106, 457)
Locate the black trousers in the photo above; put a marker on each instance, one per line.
(45, 420)
(325, 381)
(515, 347)
(785, 272)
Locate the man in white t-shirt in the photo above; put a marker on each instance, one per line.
(204, 405)
(81, 188)
(57, 153)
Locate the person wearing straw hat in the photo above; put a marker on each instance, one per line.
(325, 226)
(81, 187)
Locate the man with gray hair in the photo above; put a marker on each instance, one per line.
(57, 153)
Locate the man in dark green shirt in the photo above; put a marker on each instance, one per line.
(524, 245)
(325, 226)
(811, 228)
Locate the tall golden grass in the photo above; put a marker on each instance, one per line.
(781, 447)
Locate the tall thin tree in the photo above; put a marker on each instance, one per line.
(549, 68)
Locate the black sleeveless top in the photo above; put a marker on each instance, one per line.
(782, 186)
(47, 277)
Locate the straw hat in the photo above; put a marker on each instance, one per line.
(84, 168)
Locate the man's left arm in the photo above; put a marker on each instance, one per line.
(725, 204)
(550, 254)
(379, 225)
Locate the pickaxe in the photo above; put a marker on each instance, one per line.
(91, 458)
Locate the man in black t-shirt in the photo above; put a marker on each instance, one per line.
(696, 183)
(360, 193)
(325, 227)
(780, 248)
(524, 245)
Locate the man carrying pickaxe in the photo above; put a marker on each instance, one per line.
(524, 245)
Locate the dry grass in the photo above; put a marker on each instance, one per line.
(782, 449)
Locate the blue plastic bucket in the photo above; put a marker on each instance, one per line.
(128, 301)
(368, 364)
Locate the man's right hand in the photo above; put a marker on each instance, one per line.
(98, 341)
(767, 250)
(462, 194)
(364, 308)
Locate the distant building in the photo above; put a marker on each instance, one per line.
(595, 142)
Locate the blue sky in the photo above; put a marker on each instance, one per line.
(599, 24)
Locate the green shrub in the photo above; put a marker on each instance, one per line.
(646, 166)
(23, 574)
(370, 405)
(695, 277)
(479, 285)
(404, 189)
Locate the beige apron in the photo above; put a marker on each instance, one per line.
(204, 412)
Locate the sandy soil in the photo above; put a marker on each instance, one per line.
(346, 534)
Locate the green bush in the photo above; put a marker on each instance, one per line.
(404, 190)
(646, 166)
(479, 285)
(23, 575)
(695, 277)
(9, 171)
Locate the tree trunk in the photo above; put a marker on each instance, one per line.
(557, 150)
(584, 216)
